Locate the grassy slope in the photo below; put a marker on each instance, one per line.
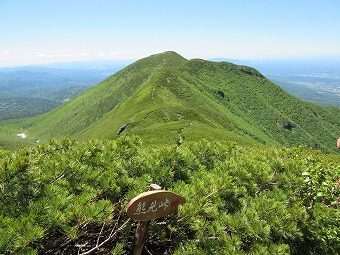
(77, 115)
(185, 103)
(166, 110)
(165, 99)
(266, 106)
(8, 138)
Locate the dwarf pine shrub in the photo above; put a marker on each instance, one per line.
(66, 196)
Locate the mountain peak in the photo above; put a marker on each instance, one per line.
(165, 97)
(165, 59)
(168, 54)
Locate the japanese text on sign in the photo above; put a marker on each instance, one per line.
(144, 207)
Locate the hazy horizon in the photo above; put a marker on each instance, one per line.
(327, 60)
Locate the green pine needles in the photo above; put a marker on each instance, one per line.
(67, 197)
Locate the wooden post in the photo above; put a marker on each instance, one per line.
(142, 229)
(150, 205)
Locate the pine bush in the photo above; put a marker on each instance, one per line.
(64, 197)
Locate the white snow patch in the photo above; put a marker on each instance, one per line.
(22, 135)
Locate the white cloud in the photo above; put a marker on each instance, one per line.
(62, 56)
(42, 55)
(8, 58)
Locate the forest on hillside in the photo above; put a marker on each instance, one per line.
(31, 90)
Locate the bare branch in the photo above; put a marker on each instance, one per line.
(335, 203)
(100, 233)
(112, 235)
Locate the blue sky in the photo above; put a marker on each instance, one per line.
(42, 31)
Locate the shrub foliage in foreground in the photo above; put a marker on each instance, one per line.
(65, 198)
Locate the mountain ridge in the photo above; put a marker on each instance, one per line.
(166, 98)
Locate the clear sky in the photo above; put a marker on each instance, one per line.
(42, 31)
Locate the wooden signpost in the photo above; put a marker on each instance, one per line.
(148, 206)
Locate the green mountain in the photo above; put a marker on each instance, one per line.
(166, 98)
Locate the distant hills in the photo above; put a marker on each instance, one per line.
(27, 91)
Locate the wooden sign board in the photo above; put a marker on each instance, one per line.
(153, 204)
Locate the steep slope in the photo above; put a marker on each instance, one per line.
(162, 109)
(265, 106)
(165, 98)
(76, 116)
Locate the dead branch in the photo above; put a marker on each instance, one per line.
(112, 235)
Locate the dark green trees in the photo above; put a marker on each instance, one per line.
(66, 197)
